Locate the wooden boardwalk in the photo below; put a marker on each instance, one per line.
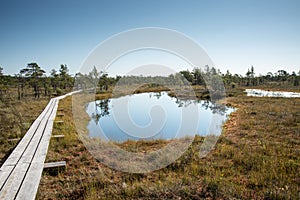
(21, 173)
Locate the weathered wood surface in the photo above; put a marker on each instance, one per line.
(55, 164)
(20, 174)
(58, 136)
(14, 140)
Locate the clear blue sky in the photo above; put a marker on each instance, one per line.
(235, 33)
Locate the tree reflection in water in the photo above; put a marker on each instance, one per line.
(102, 106)
(216, 108)
(101, 109)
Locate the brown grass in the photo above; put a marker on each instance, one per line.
(257, 157)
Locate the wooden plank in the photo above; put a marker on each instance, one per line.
(59, 122)
(13, 139)
(58, 136)
(11, 186)
(31, 182)
(33, 145)
(29, 187)
(46, 109)
(52, 117)
(55, 164)
(4, 174)
(30, 150)
(41, 152)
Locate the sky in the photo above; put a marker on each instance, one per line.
(235, 34)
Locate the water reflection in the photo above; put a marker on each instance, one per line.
(142, 113)
(101, 110)
(264, 93)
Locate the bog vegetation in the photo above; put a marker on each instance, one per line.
(256, 157)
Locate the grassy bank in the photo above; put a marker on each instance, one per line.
(256, 157)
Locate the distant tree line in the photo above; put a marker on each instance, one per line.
(195, 77)
(33, 81)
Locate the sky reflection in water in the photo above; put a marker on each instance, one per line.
(154, 116)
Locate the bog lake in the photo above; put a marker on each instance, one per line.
(149, 116)
(156, 115)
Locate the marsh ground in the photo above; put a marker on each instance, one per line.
(257, 157)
